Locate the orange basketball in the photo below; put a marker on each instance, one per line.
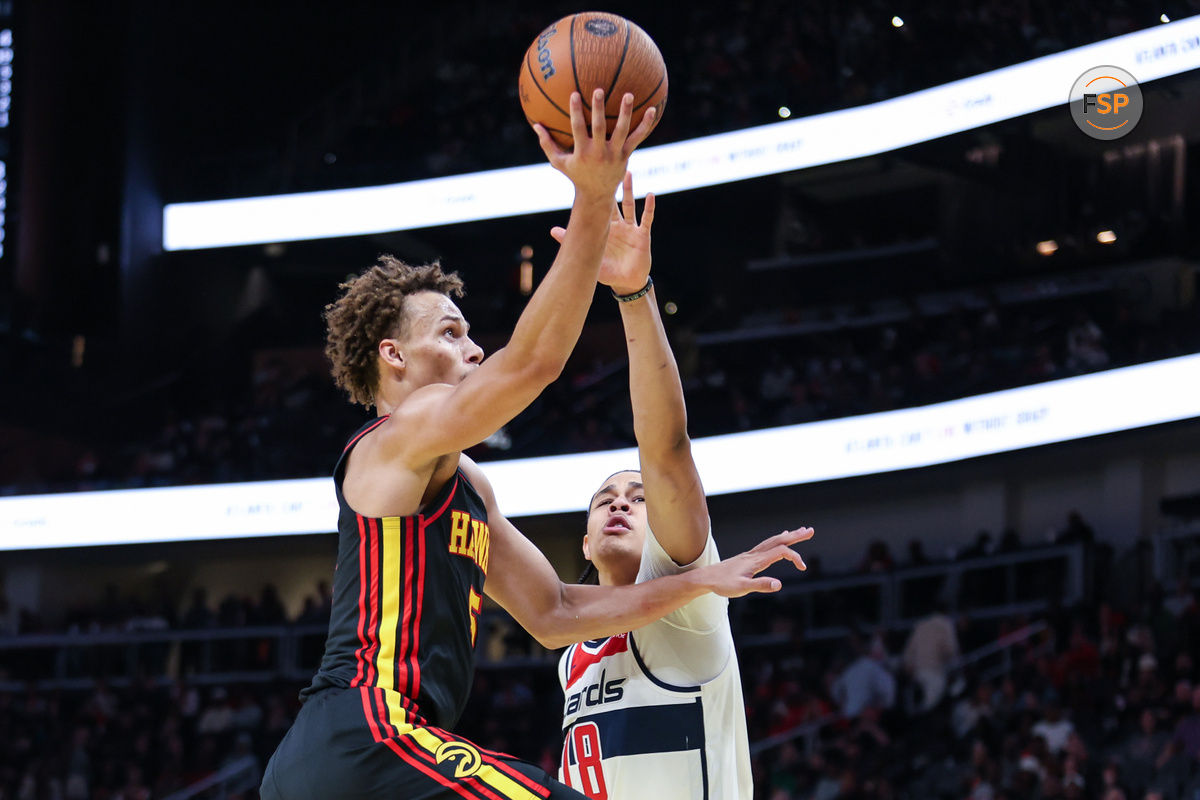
(581, 53)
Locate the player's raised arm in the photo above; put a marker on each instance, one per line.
(676, 509)
(446, 419)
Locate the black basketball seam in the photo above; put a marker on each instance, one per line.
(575, 72)
(550, 99)
(621, 63)
(653, 91)
(557, 130)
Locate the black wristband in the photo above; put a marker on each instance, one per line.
(629, 298)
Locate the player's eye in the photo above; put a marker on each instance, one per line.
(639, 499)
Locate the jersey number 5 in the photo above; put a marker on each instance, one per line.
(584, 739)
(475, 603)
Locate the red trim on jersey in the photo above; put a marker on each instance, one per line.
(369, 713)
(403, 673)
(426, 521)
(420, 600)
(412, 711)
(373, 630)
(362, 601)
(363, 433)
(581, 659)
(389, 727)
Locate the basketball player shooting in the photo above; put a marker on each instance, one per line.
(656, 711)
(419, 527)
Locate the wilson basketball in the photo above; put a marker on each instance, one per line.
(584, 52)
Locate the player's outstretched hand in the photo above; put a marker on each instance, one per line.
(597, 163)
(737, 576)
(626, 262)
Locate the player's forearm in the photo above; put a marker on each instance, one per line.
(655, 391)
(593, 612)
(550, 324)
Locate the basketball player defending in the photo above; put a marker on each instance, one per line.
(419, 527)
(657, 711)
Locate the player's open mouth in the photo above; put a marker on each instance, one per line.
(618, 523)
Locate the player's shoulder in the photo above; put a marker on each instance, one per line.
(476, 477)
(419, 406)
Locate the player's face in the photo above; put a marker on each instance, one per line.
(436, 346)
(616, 527)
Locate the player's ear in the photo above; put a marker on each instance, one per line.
(392, 355)
(586, 550)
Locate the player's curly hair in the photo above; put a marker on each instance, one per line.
(371, 309)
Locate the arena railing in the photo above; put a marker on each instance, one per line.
(995, 586)
(1004, 585)
(1175, 547)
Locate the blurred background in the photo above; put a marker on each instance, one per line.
(1020, 625)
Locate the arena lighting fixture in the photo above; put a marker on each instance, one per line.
(1047, 248)
(897, 22)
(1163, 18)
(1055, 411)
(784, 112)
(1106, 237)
(708, 161)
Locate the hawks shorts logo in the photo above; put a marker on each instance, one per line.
(465, 757)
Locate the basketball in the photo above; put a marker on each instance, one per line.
(584, 52)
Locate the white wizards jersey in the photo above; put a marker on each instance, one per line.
(658, 712)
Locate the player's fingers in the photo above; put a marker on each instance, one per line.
(599, 123)
(648, 212)
(793, 536)
(785, 538)
(550, 147)
(627, 207)
(579, 128)
(558, 233)
(765, 585)
(640, 133)
(621, 129)
(782, 553)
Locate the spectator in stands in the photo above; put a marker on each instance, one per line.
(1139, 753)
(1076, 530)
(878, 558)
(980, 548)
(916, 554)
(931, 649)
(973, 713)
(865, 682)
(1054, 727)
(217, 717)
(1085, 344)
(1187, 731)
(199, 614)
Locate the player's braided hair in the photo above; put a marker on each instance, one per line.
(371, 309)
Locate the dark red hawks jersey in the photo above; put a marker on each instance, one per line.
(407, 594)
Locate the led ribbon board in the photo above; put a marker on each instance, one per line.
(1055, 411)
(765, 150)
